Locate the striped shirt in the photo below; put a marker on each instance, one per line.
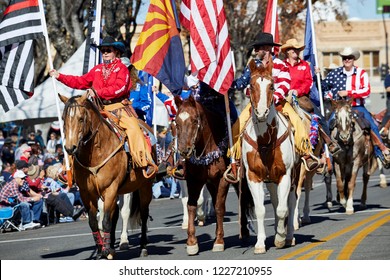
(280, 74)
(355, 82)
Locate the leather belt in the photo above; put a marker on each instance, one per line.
(114, 100)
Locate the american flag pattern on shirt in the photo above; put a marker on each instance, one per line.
(356, 83)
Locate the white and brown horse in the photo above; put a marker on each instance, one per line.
(269, 158)
(357, 151)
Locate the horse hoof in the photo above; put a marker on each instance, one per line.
(219, 247)
(306, 221)
(329, 204)
(201, 223)
(259, 250)
(144, 253)
(192, 249)
(290, 242)
(280, 244)
(124, 246)
(363, 207)
(184, 226)
(349, 212)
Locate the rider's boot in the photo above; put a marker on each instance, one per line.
(333, 147)
(310, 161)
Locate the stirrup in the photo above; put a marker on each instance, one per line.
(313, 158)
(154, 171)
(176, 175)
(227, 175)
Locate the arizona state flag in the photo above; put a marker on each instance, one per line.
(159, 51)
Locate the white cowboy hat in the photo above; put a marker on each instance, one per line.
(292, 44)
(348, 51)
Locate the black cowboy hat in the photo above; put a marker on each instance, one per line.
(110, 42)
(264, 39)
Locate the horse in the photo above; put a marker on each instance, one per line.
(202, 142)
(101, 169)
(269, 159)
(356, 151)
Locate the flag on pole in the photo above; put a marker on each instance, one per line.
(210, 48)
(92, 39)
(159, 51)
(271, 22)
(21, 24)
(309, 54)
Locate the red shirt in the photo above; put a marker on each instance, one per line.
(301, 78)
(116, 84)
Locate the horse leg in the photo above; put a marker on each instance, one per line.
(124, 205)
(220, 210)
(306, 209)
(200, 214)
(340, 185)
(351, 186)
(184, 201)
(246, 204)
(382, 176)
(193, 195)
(143, 197)
(297, 220)
(93, 224)
(110, 207)
(292, 205)
(283, 191)
(257, 191)
(366, 178)
(329, 194)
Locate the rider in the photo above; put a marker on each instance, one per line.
(352, 81)
(301, 83)
(263, 44)
(111, 82)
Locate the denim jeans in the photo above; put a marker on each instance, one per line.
(26, 213)
(37, 207)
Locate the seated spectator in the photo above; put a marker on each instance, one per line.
(11, 190)
(36, 156)
(52, 143)
(19, 150)
(8, 152)
(21, 165)
(25, 151)
(6, 172)
(39, 139)
(31, 139)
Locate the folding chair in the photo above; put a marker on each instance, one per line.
(6, 215)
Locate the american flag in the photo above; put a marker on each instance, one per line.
(210, 49)
(21, 24)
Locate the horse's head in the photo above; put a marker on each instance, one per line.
(344, 123)
(77, 121)
(262, 89)
(188, 124)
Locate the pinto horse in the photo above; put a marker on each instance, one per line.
(357, 151)
(269, 158)
(101, 170)
(202, 142)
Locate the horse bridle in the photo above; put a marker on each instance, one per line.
(251, 98)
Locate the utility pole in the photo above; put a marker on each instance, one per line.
(386, 9)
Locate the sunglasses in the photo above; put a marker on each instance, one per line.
(106, 50)
(348, 57)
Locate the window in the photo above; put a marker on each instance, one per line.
(371, 62)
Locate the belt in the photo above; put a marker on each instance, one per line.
(114, 100)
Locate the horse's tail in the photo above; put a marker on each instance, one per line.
(135, 212)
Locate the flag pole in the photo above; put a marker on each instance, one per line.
(46, 35)
(313, 34)
(97, 28)
(273, 22)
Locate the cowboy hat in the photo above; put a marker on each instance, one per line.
(33, 171)
(110, 42)
(348, 51)
(292, 44)
(264, 39)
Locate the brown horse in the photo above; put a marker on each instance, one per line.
(357, 152)
(101, 170)
(202, 141)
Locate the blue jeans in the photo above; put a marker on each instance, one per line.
(26, 213)
(37, 208)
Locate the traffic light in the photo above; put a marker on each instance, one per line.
(384, 69)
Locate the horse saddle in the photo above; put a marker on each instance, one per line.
(361, 121)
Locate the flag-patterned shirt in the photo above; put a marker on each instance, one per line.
(355, 82)
(280, 73)
(109, 84)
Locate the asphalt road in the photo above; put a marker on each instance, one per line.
(331, 235)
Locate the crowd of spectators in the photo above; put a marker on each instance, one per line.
(33, 177)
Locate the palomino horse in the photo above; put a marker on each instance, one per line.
(202, 141)
(357, 152)
(269, 158)
(100, 169)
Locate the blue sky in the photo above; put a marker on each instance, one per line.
(364, 9)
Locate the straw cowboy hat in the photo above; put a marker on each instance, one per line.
(292, 44)
(263, 39)
(111, 42)
(33, 171)
(348, 51)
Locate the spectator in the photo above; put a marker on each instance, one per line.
(11, 190)
(8, 152)
(19, 149)
(2, 139)
(36, 156)
(52, 143)
(385, 129)
(31, 139)
(26, 152)
(21, 165)
(6, 172)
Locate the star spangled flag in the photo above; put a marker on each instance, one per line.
(21, 24)
(159, 51)
(90, 44)
(210, 48)
(309, 55)
(271, 22)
